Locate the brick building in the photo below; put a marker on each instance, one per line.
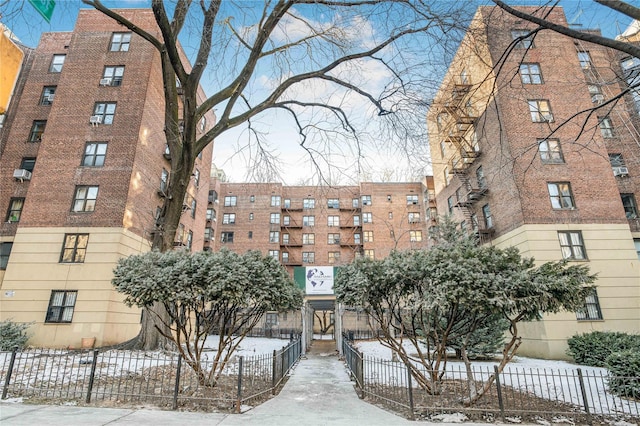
(82, 154)
(517, 160)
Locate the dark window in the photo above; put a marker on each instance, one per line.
(56, 63)
(488, 218)
(74, 248)
(112, 76)
(28, 164)
(48, 93)
(120, 42)
(482, 180)
(15, 210)
(5, 251)
(94, 154)
(630, 206)
(61, 306)
(550, 151)
(616, 160)
(572, 245)
(523, 39)
(103, 113)
(194, 205)
(227, 237)
(37, 129)
(189, 239)
(591, 310)
(530, 74)
(450, 204)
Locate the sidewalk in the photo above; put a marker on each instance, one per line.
(319, 392)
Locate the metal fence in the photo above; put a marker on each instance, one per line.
(530, 394)
(117, 377)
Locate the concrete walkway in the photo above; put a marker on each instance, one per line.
(319, 392)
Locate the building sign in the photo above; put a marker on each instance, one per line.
(44, 7)
(315, 279)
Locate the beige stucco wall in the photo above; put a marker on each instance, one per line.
(611, 255)
(34, 271)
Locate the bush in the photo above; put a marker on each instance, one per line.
(13, 334)
(594, 348)
(624, 373)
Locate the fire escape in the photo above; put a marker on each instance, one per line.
(460, 134)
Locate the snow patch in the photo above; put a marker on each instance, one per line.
(450, 418)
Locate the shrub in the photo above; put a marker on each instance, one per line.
(594, 348)
(13, 334)
(624, 373)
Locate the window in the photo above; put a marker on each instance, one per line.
(275, 200)
(636, 242)
(274, 237)
(596, 93)
(333, 239)
(530, 74)
(285, 238)
(412, 199)
(112, 76)
(366, 200)
(414, 217)
(287, 203)
(28, 163)
(367, 236)
(367, 218)
(591, 310)
(571, 245)
(474, 222)
(464, 77)
(164, 180)
(480, 178)
(230, 201)
(285, 257)
(210, 214)
(432, 213)
(286, 220)
(616, 160)
(415, 236)
(333, 203)
(37, 129)
(445, 173)
(227, 237)
(630, 206)
(275, 254)
(250, 216)
(308, 203)
(228, 218)
(308, 257)
(308, 239)
(308, 220)
(356, 239)
(560, 195)
(105, 111)
(74, 248)
(523, 39)
(355, 203)
(213, 196)
(540, 111)
(196, 177)
(208, 234)
(94, 154)
(15, 210)
(56, 63)
(370, 254)
(606, 127)
(179, 234)
(356, 220)
(252, 199)
(120, 42)
(48, 93)
(488, 219)
(585, 60)
(275, 218)
(189, 239)
(450, 204)
(249, 235)
(390, 215)
(334, 257)
(61, 306)
(389, 197)
(85, 199)
(5, 251)
(333, 220)
(550, 151)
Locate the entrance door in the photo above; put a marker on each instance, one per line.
(270, 324)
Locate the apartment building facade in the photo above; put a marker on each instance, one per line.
(83, 163)
(521, 158)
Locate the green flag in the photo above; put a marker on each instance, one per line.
(44, 7)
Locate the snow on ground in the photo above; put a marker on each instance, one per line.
(250, 345)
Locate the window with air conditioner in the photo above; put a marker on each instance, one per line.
(37, 129)
(112, 75)
(48, 93)
(103, 113)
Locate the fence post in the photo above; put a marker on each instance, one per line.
(499, 389)
(360, 372)
(410, 389)
(282, 351)
(92, 375)
(176, 388)
(239, 397)
(8, 378)
(584, 395)
(274, 373)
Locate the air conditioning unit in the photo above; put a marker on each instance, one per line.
(50, 97)
(597, 98)
(105, 82)
(620, 171)
(95, 119)
(22, 174)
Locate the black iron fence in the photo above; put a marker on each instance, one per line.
(578, 395)
(115, 377)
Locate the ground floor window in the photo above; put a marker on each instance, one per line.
(591, 310)
(61, 306)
